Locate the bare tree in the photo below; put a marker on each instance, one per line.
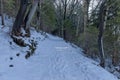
(67, 9)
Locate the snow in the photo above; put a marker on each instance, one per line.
(54, 59)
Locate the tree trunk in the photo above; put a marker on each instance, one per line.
(85, 10)
(115, 57)
(64, 20)
(101, 26)
(2, 15)
(31, 13)
(16, 30)
(38, 16)
(78, 25)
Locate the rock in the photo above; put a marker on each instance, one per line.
(11, 58)
(11, 65)
(18, 54)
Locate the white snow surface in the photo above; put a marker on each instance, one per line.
(54, 59)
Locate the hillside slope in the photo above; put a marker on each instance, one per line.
(54, 59)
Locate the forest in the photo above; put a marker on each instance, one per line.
(93, 25)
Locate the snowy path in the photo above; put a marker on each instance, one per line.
(54, 59)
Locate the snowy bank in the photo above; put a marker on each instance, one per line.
(54, 59)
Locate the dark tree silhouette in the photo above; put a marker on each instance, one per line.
(16, 30)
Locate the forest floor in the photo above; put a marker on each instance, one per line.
(53, 59)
